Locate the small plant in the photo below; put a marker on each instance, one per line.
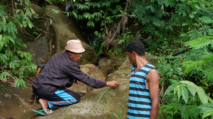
(118, 117)
(104, 93)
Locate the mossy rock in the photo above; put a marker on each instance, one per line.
(67, 30)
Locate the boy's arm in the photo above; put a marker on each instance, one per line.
(153, 78)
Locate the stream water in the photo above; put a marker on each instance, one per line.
(14, 101)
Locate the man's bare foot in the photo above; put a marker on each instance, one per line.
(44, 105)
(48, 112)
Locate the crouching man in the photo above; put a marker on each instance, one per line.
(60, 72)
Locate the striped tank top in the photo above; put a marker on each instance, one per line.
(139, 105)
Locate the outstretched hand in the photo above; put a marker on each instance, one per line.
(113, 84)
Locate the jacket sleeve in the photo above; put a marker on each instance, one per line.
(73, 70)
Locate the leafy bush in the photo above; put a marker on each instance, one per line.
(185, 107)
(14, 62)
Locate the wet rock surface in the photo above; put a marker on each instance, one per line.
(14, 101)
(39, 50)
(93, 72)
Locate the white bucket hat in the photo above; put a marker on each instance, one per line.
(74, 46)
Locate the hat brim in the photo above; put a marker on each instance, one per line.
(76, 51)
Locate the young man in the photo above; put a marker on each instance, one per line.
(60, 72)
(144, 84)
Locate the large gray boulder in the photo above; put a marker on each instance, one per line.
(39, 50)
(39, 38)
(67, 30)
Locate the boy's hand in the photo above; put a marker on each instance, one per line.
(113, 84)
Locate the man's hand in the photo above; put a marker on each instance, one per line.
(75, 81)
(113, 84)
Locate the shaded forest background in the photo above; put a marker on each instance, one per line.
(178, 33)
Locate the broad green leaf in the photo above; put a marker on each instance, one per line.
(207, 113)
(183, 34)
(4, 19)
(171, 88)
(87, 15)
(30, 24)
(192, 89)
(191, 15)
(51, 21)
(4, 75)
(179, 92)
(11, 39)
(184, 24)
(0, 37)
(202, 95)
(185, 94)
(90, 23)
(121, 41)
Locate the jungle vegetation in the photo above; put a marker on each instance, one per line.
(178, 33)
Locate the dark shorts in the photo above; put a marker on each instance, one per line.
(59, 98)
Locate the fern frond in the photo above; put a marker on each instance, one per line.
(208, 73)
(206, 30)
(82, 6)
(200, 42)
(93, 4)
(192, 65)
(194, 34)
(205, 19)
(170, 3)
(87, 15)
(149, 29)
(208, 106)
(189, 112)
(90, 23)
(151, 8)
(182, 9)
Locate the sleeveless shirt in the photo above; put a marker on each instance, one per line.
(139, 105)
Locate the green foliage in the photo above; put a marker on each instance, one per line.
(207, 110)
(98, 46)
(162, 20)
(14, 62)
(185, 107)
(102, 11)
(204, 63)
(186, 88)
(121, 42)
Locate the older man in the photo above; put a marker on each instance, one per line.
(60, 72)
